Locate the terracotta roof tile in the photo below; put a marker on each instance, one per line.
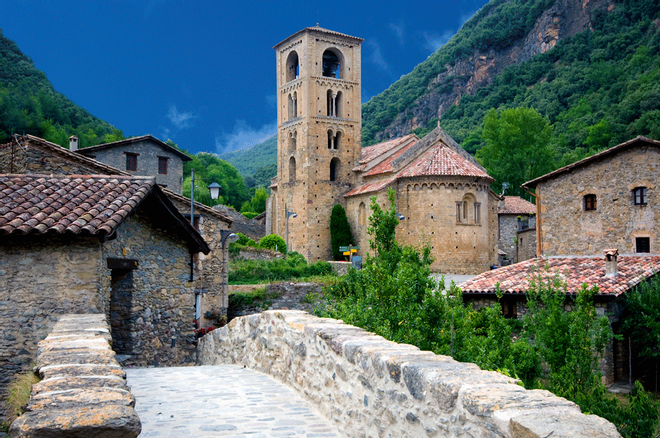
(372, 152)
(38, 204)
(575, 271)
(370, 187)
(386, 165)
(516, 205)
(442, 160)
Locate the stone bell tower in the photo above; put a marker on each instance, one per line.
(318, 134)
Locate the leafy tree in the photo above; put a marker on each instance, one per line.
(259, 199)
(340, 231)
(209, 168)
(274, 242)
(517, 147)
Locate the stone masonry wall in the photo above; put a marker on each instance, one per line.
(373, 387)
(162, 307)
(83, 392)
(526, 244)
(42, 278)
(566, 228)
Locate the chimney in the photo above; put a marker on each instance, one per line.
(73, 143)
(611, 268)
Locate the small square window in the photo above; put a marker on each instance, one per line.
(642, 244)
(639, 196)
(162, 165)
(131, 162)
(590, 202)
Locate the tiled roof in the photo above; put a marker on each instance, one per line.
(75, 204)
(575, 271)
(442, 160)
(386, 165)
(371, 152)
(317, 28)
(586, 161)
(370, 187)
(516, 205)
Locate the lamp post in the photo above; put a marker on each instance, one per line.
(226, 236)
(400, 216)
(214, 191)
(288, 215)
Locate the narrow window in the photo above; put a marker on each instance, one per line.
(292, 170)
(131, 161)
(295, 104)
(293, 142)
(477, 213)
(639, 196)
(330, 139)
(642, 244)
(362, 215)
(337, 141)
(589, 202)
(334, 169)
(331, 102)
(290, 108)
(459, 206)
(465, 211)
(162, 165)
(338, 105)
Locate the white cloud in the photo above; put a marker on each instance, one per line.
(435, 41)
(180, 120)
(399, 31)
(243, 137)
(377, 57)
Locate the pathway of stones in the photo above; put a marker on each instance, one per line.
(221, 401)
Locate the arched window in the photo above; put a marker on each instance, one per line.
(293, 137)
(292, 67)
(295, 104)
(331, 64)
(292, 169)
(338, 105)
(337, 141)
(362, 214)
(290, 108)
(334, 169)
(467, 210)
(590, 202)
(331, 138)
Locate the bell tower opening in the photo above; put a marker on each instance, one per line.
(331, 64)
(292, 67)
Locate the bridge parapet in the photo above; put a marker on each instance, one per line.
(373, 387)
(83, 392)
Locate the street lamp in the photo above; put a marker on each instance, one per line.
(214, 190)
(400, 216)
(226, 236)
(288, 215)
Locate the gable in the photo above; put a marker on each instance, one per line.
(146, 140)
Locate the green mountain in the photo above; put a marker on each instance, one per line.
(29, 104)
(257, 164)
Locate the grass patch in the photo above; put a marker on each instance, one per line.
(18, 393)
(257, 298)
(294, 267)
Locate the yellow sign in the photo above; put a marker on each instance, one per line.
(347, 253)
(353, 250)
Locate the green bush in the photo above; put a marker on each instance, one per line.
(340, 231)
(250, 214)
(274, 242)
(294, 266)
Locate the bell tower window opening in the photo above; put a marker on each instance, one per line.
(337, 141)
(334, 169)
(292, 142)
(292, 169)
(292, 67)
(330, 139)
(290, 108)
(338, 105)
(331, 65)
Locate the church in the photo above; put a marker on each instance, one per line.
(442, 191)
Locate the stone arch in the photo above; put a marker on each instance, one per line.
(339, 110)
(292, 169)
(337, 142)
(292, 66)
(293, 140)
(331, 138)
(362, 214)
(332, 62)
(335, 168)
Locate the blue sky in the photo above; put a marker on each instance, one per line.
(202, 73)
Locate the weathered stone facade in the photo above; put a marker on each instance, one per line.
(373, 387)
(526, 244)
(321, 163)
(569, 226)
(148, 152)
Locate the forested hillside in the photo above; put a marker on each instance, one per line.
(30, 105)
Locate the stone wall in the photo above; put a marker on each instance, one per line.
(159, 327)
(147, 161)
(249, 253)
(372, 387)
(83, 391)
(567, 229)
(42, 278)
(526, 244)
(508, 229)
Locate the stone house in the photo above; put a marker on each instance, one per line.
(95, 244)
(607, 200)
(144, 155)
(516, 229)
(29, 154)
(441, 190)
(625, 272)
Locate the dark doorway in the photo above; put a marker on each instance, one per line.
(121, 309)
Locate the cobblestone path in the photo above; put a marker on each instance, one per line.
(221, 401)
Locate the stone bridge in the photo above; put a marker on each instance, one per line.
(362, 384)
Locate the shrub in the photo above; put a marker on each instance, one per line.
(18, 393)
(340, 231)
(274, 242)
(250, 214)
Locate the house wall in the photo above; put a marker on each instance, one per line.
(162, 307)
(32, 158)
(526, 245)
(566, 228)
(147, 161)
(42, 278)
